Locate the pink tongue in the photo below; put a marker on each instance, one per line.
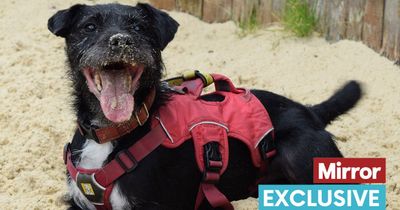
(115, 98)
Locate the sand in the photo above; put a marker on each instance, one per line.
(36, 118)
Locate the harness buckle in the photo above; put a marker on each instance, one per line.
(126, 160)
(92, 190)
(212, 157)
(207, 79)
(267, 147)
(147, 115)
(212, 162)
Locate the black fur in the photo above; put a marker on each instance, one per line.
(169, 178)
(338, 103)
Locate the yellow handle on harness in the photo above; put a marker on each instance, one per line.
(190, 75)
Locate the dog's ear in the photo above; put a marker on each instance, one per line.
(61, 22)
(164, 25)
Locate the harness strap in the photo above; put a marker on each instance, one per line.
(107, 194)
(127, 160)
(101, 180)
(213, 195)
(210, 140)
(267, 150)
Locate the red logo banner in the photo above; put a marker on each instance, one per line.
(349, 170)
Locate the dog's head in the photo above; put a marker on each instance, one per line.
(114, 52)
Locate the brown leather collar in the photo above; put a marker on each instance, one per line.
(106, 134)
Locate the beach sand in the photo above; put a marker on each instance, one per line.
(36, 119)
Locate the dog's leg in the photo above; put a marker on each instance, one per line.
(73, 205)
(68, 200)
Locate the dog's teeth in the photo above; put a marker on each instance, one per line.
(97, 80)
(128, 83)
(99, 88)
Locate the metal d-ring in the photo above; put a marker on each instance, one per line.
(89, 187)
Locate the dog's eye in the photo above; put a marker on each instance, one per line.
(136, 28)
(90, 27)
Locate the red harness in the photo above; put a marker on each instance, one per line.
(239, 115)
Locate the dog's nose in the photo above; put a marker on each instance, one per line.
(120, 40)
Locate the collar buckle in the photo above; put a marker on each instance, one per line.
(147, 115)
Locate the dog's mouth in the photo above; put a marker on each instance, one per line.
(114, 84)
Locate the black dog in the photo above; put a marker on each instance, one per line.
(114, 55)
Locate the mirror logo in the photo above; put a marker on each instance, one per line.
(340, 183)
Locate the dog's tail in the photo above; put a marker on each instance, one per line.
(342, 101)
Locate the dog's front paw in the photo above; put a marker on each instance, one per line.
(68, 200)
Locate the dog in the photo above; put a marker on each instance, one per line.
(114, 58)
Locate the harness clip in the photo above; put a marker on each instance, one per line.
(126, 160)
(212, 162)
(92, 190)
(212, 157)
(267, 147)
